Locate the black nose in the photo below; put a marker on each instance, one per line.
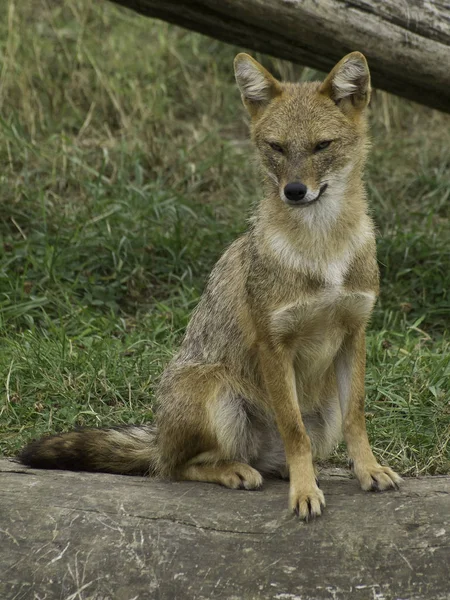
(295, 191)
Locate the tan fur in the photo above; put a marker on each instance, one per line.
(271, 371)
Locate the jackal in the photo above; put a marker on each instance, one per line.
(270, 374)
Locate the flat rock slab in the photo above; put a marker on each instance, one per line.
(83, 536)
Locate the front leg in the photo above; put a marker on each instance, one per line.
(305, 497)
(350, 366)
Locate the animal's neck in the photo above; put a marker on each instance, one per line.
(319, 239)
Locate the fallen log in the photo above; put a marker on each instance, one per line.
(406, 43)
(82, 536)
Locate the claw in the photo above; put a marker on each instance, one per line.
(375, 486)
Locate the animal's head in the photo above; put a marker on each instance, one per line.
(309, 136)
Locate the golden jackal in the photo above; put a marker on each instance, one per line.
(270, 374)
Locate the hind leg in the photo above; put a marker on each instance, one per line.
(205, 431)
(231, 474)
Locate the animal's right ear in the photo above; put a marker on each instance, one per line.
(258, 87)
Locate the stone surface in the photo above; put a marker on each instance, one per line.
(83, 536)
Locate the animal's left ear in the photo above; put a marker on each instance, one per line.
(348, 84)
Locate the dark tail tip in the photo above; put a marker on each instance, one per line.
(55, 452)
(128, 450)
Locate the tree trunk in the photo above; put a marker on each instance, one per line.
(407, 42)
(85, 536)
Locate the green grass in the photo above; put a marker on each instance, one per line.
(126, 171)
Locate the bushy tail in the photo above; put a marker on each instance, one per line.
(128, 450)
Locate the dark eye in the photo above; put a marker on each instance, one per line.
(276, 147)
(322, 145)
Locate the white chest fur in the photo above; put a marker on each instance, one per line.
(331, 270)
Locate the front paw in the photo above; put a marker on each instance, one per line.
(306, 502)
(376, 478)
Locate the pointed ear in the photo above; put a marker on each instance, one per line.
(258, 87)
(348, 84)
